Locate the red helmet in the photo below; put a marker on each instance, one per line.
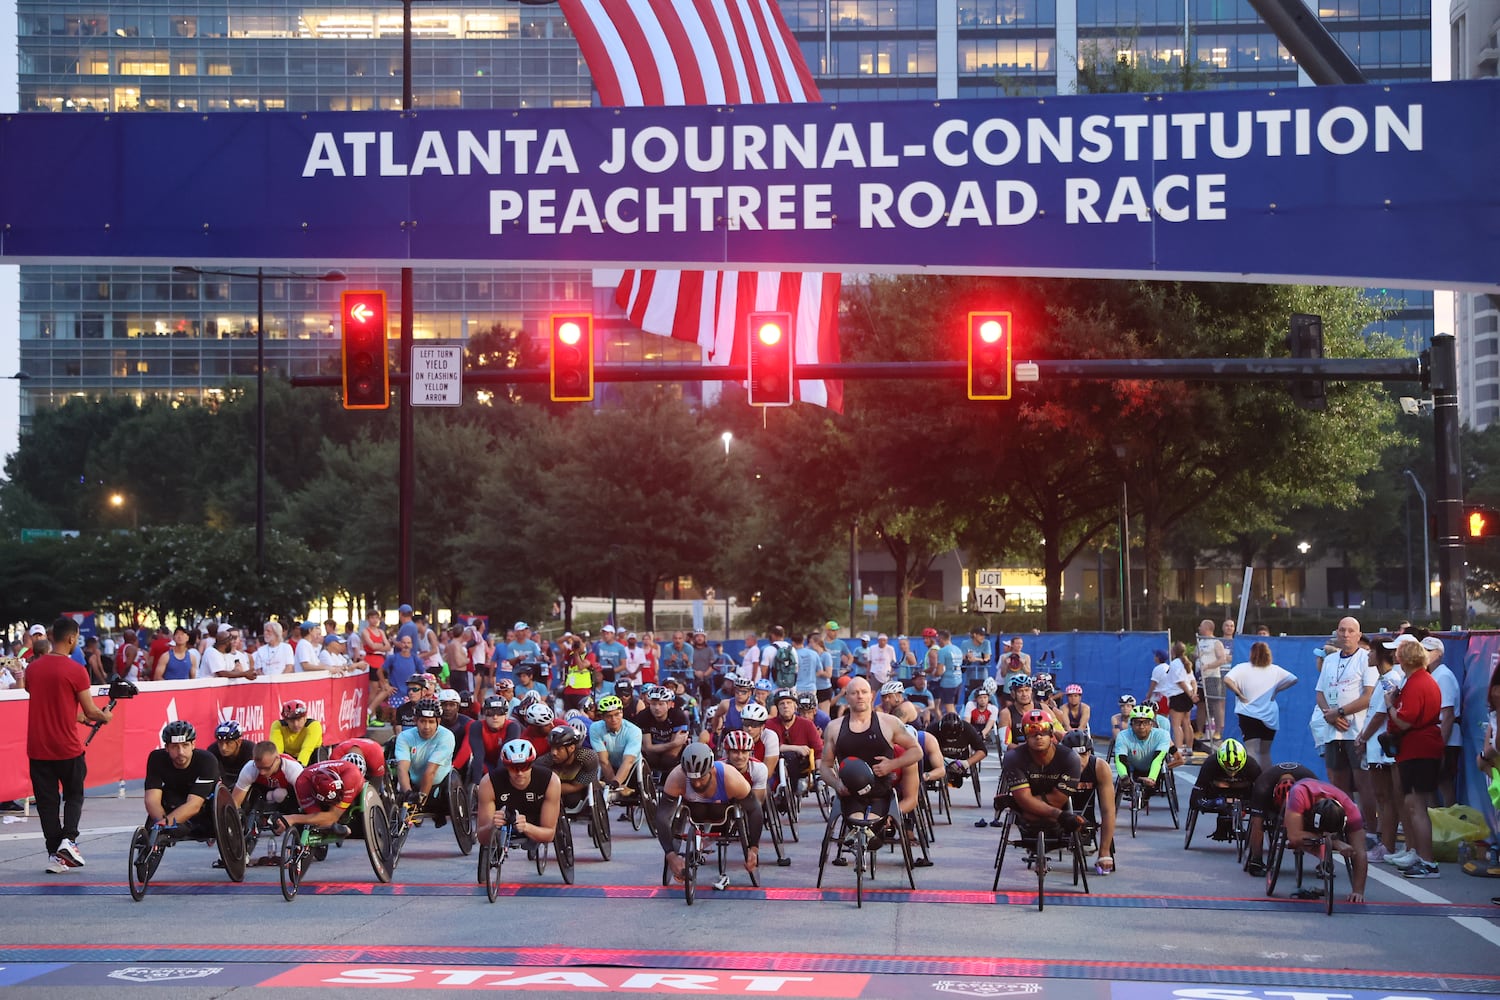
(929, 633)
(1036, 721)
(1282, 789)
(294, 709)
(738, 739)
(326, 784)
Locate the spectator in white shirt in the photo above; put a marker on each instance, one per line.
(309, 645)
(274, 656)
(332, 657)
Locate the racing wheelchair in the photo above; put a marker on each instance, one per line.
(367, 818)
(693, 837)
(861, 836)
(221, 825)
(504, 839)
(1040, 843)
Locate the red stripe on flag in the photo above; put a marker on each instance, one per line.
(763, 33)
(720, 43)
(687, 320)
(591, 44)
(693, 91)
(742, 43)
(647, 70)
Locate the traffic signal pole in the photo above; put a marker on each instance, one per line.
(1453, 602)
(406, 488)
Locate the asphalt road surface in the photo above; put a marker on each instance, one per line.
(1169, 925)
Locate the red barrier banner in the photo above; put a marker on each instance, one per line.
(119, 750)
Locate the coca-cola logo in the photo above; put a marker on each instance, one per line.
(351, 709)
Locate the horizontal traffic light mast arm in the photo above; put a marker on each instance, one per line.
(1093, 369)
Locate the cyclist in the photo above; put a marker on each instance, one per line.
(664, 729)
(767, 746)
(269, 777)
(708, 788)
(1038, 779)
(1315, 808)
(576, 765)
(526, 785)
(1075, 711)
(363, 753)
(231, 750)
(295, 734)
(961, 746)
(801, 743)
(495, 729)
(424, 756)
(453, 718)
(1142, 750)
(325, 791)
(893, 702)
(1096, 791)
(539, 720)
(180, 780)
(617, 742)
(1268, 798)
(1229, 774)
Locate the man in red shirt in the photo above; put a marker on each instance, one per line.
(1412, 716)
(59, 690)
(801, 743)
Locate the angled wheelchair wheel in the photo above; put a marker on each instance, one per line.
(974, 781)
(1040, 864)
(745, 850)
(229, 835)
(1000, 850)
(494, 853)
(1172, 807)
(563, 844)
(1240, 823)
(830, 836)
(377, 831)
(139, 865)
(1273, 860)
(1190, 823)
(460, 814)
(291, 862)
(647, 796)
(599, 822)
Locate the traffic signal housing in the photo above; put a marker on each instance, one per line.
(366, 361)
(572, 357)
(989, 355)
(771, 345)
(1306, 341)
(1481, 523)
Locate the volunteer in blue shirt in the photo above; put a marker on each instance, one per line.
(979, 657)
(611, 655)
(951, 684)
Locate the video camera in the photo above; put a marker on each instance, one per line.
(119, 690)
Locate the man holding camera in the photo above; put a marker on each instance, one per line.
(60, 700)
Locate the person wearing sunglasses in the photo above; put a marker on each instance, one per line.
(526, 785)
(1038, 779)
(1144, 751)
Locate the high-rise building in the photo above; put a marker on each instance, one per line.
(147, 332)
(1474, 44)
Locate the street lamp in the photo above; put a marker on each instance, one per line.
(1303, 547)
(117, 501)
(726, 437)
(1124, 542)
(260, 381)
(1426, 556)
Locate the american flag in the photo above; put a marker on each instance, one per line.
(654, 53)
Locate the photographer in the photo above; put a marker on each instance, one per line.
(60, 699)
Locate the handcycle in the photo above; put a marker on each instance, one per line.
(149, 842)
(503, 837)
(1239, 821)
(301, 845)
(594, 809)
(693, 838)
(1041, 844)
(1321, 846)
(857, 835)
(1132, 795)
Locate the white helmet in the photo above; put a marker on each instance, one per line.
(754, 712)
(358, 760)
(518, 752)
(892, 687)
(538, 715)
(990, 685)
(697, 758)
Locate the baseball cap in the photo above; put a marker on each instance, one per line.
(309, 626)
(832, 625)
(1402, 639)
(329, 640)
(883, 636)
(1432, 644)
(405, 609)
(448, 694)
(608, 628)
(631, 635)
(518, 626)
(37, 630)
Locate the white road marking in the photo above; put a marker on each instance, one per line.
(1479, 926)
(85, 836)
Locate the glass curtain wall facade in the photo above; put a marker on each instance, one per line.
(1474, 42)
(146, 332)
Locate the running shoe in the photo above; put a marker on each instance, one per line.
(56, 865)
(70, 853)
(1378, 854)
(1422, 869)
(1402, 859)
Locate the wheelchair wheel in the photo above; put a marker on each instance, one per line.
(229, 835)
(599, 822)
(824, 795)
(1273, 860)
(563, 844)
(1080, 862)
(292, 860)
(924, 807)
(647, 798)
(377, 830)
(974, 780)
(542, 850)
(460, 814)
(1191, 822)
(1238, 821)
(945, 800)
(1000, 851)
(139, 865)
(494, 858)
(1041, 870)
(1172, 797)
(773, 826)
(830, 835)
(861, 853)
(1327, 870)
(1135, 807)
(745, 850)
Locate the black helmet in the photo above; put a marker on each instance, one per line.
(806, 700)
(178, 731)
(1327, 817)
(229, 729)
(1076, 738)
(857, 776)
(951, 726)
(563, 736)
(428, 708)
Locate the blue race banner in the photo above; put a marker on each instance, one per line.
(1353, 185)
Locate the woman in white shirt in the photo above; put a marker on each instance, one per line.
(1181, 690)
(1255, 686)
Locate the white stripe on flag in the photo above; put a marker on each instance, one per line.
(809, 313)
(742, 78)
(703, 51)
(661, 54)
(662, 306)
(619, 56)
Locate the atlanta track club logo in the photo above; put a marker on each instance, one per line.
(986, 989)
(164, 973)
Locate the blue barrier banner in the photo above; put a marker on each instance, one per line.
(1357, 185)
(1481, 660)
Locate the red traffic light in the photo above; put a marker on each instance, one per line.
(572, 358)
(366, 361)
(1480, 522)
(989, 355)
(771, 344)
